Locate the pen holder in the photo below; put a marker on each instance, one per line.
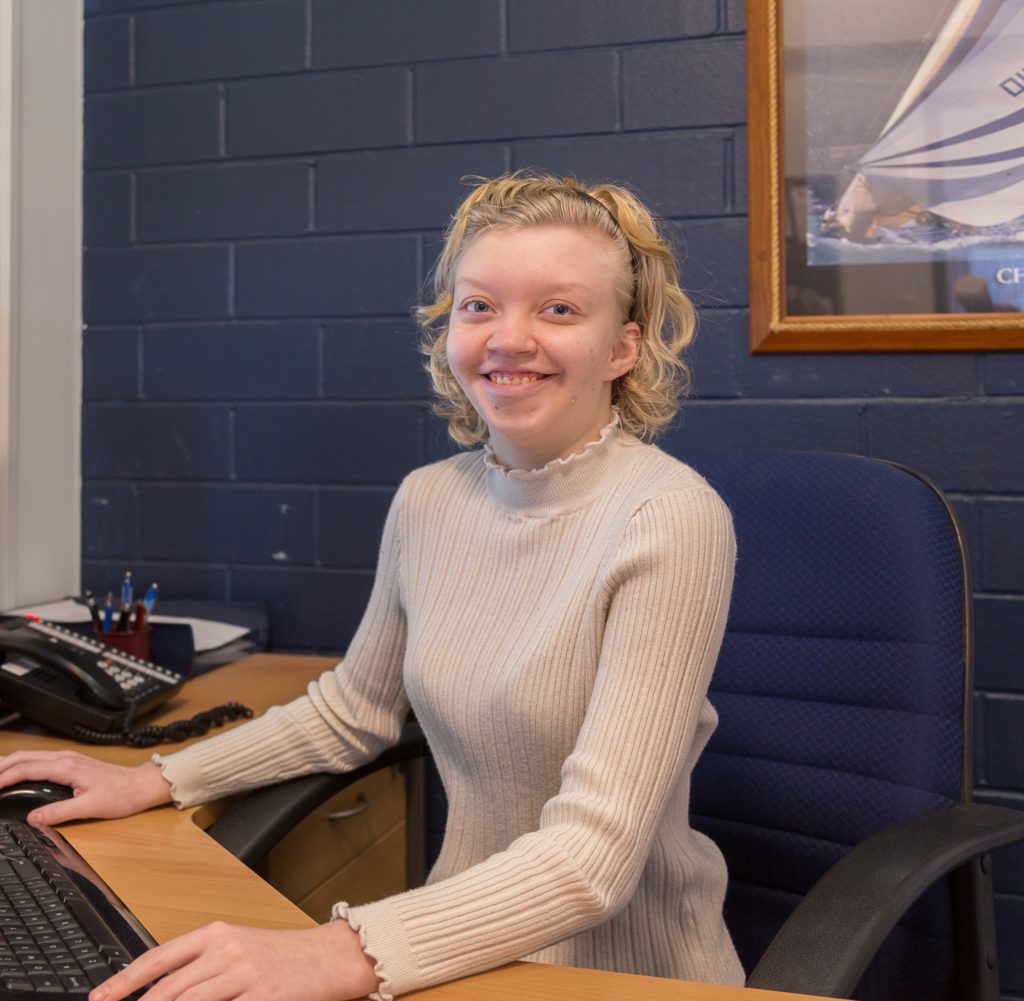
(135, 641)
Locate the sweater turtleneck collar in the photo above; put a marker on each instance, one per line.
(563, 485)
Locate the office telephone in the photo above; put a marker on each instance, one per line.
(75, 684)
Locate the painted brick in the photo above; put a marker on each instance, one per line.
(241, 362)
(1002, 535)
(110, 363)
(415, 188)
(317, 111)
(556, 24)
(218, 41)
(346, 276)
(104, 6)
(735, 19)
(432, 244)
(106, 63)
(106, 208)
(227, 524)
(155, 442)
(374, 359)
(439, 444)
(812, 426)
(1008, 863)
(713, 261)
(1003, 374)
(309, 610)
(350, 525)
(354, 33)
(532, 95)
(998, 656)
(942, 441)
(328, 443)
(721, 337)
(1004, 723)
(166, 283)
(886, 375)
(650, 165)
(177, 581)
(685, 84)
(968, 517)
(263, 199)
(152, 127)
(978, 739)
(1009, 922)
(110, 521)
(740, 170)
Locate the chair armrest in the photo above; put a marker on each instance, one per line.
(253, 825)
(830, 938)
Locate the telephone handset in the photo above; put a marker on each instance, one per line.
(74, 683)
(95, 686)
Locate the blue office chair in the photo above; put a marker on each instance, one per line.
(838, 781)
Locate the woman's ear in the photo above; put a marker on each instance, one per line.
(625, 351)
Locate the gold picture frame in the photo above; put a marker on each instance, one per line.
(775, 200)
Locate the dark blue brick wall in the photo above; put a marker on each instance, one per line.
(265, 185)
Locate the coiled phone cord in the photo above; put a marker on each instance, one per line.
(182, 729)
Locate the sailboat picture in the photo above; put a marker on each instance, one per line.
(914, 149)
(885, 175)
(952, 150)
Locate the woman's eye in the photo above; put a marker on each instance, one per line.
(561, 309)
(476, 306)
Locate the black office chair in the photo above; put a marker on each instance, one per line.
(838, 781)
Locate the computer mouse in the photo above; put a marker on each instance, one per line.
(18, 800)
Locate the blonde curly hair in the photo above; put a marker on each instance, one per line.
(647, 397)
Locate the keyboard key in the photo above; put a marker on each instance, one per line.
(76, 982)
(97, 974)
(46, 983)
(113, 954)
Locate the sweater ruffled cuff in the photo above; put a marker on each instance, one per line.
(382, 937)
(184, 776)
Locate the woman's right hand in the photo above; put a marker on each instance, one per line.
(100, 789)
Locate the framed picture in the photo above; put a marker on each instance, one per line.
(886, 175)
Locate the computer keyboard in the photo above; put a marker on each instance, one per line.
(62, 929)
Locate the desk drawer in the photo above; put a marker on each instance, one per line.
(319, 850)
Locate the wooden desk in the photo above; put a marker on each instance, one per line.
(176, 878)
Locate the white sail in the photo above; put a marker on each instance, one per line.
(955, 142)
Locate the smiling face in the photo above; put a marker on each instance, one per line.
(537, 336)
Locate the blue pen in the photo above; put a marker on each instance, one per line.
(150, 600)
(127, 590)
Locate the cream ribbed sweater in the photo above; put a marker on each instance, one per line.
(555, 632)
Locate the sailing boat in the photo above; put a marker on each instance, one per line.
(953, 148)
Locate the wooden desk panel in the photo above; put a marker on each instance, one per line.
(175, 878)
(540, 982)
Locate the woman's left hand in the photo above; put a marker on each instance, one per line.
(223, 962)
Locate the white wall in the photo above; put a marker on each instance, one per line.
(40, 297)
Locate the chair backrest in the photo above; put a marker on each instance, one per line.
(841, 689)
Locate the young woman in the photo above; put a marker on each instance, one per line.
(551, 605)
